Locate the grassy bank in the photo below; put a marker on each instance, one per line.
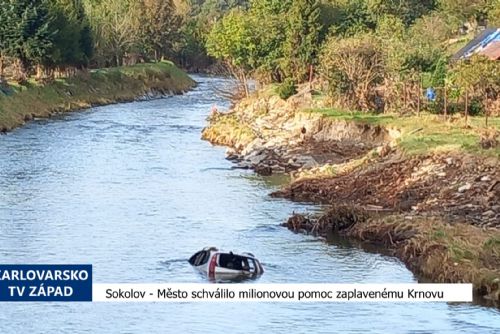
(19, 104)
(429, 133)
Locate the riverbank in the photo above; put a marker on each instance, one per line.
(431, 248)
(19, 104)
(421, 172)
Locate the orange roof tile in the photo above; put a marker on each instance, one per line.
(492, 51)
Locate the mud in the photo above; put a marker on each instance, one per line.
(458, 189)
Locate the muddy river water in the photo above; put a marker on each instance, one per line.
(131, 189)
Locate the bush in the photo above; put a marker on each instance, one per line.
(353, 67)
(287, 89)
(476, 108)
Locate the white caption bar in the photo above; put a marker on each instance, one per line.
(282, 293)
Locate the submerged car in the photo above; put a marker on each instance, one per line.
(219, 265)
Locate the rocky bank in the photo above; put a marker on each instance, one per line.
(270, 135)
(424, 208)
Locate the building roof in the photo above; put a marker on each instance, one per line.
(492, 50)
(479, 43)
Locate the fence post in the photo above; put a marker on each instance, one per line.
(487, 111)
(311, 76)
(466, 107)
(419, 97)
(405, 97)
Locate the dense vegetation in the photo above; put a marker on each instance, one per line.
(52, 36)
(367, 54)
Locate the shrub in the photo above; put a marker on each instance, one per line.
(287, 89)
(353, 67)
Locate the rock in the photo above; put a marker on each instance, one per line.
(256, 158)
(307, 162)
(264, 170)
(491, 162)
(486, 178)
(465, 188)
(489, 213)
(231, 155)
(241, 166)
(253, 146)
(384, 150)
(278, 169)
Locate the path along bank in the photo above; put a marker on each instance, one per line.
(425, 188)
(21, 103)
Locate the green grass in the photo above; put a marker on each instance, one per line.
(96, 87)
(493, 243)
(427, 132)
(356, 116)
(438, 234)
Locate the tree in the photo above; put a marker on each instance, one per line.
(392, 35)
(6, 39)
(197, 20)
(466, 10)
(302, 38)
(253, 40)
(29, 38)
(353, 68)
(270, 7)
(116, 27)
(233, 41)
(73, 41)
(350, 17)
(407, 10)
(270, 29)
(159, 26)
(479, 78)
(494, 14)
(427, 40)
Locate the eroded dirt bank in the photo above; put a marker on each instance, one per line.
(439, 212)
(459, 189)
(270, 135)
(430, 247)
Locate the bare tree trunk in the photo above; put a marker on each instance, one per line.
(1, 68)
(245, 83)
(405, 97)
(466, 107)
(311, 76)
(22, 71)
(487, 112)
(39, 72)
(51, 74)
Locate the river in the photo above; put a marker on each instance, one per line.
(131, 189)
